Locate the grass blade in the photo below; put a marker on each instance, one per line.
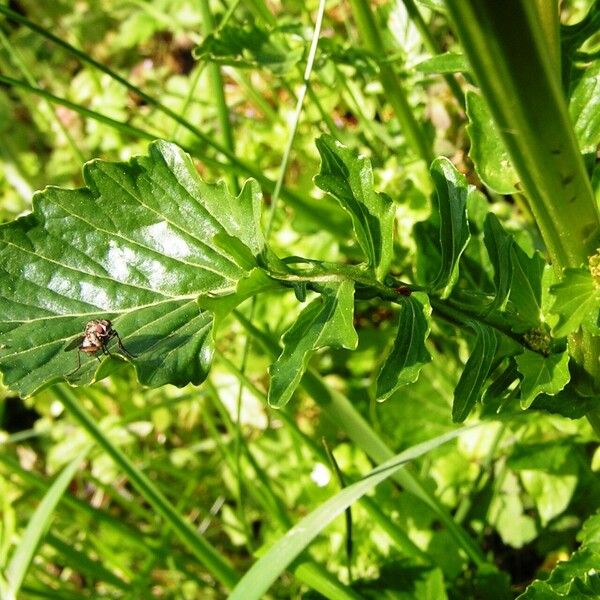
(203, 551)
(264, 572)
(37, 527)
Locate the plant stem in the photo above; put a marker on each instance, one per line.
(513, 66)
(395, 94)
(516, 69)
(548, 18)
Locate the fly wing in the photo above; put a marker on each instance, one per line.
(75, 343)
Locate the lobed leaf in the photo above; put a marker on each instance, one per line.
(488, 152)
(567, 403)
(326, 321)
(408, 353)
(501, 388)
(137, 247)
(428, 255)
(576, 302)
(348, 177)
(450, 205)
(469, 387)
(517, 277)
(542, 374)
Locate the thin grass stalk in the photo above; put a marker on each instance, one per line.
(342, 414)
(217, 88)
(216, 564)
(297, 201)
(305, 569)
(396, 534)
(22, 67)
(37, 485)
(39, 523)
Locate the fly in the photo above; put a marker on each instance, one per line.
(95, 338)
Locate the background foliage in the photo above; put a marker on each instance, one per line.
(124, 489)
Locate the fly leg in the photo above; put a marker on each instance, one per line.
(122, 348)
(78, 364)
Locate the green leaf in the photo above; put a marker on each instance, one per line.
(577, 302)
(256, 282)
(488, 152)
(405, 579)
(584, 108)
(548, 472)
(137, 247)
(526, 290)
(501, 389)
(265, 571)
(469, 387)
(348, 177)
(450, 204)
(589, 535)
(428, 256)
(499, 247)
(567, 403)
(576, 578)
(408, 354)
(326, 321)
(449, 62)
(542, 374)
(250, 47)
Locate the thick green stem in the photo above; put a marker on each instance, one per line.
(548, 18)
(515, 66)
(395, 94)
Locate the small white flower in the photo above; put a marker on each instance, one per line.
(320, 475)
